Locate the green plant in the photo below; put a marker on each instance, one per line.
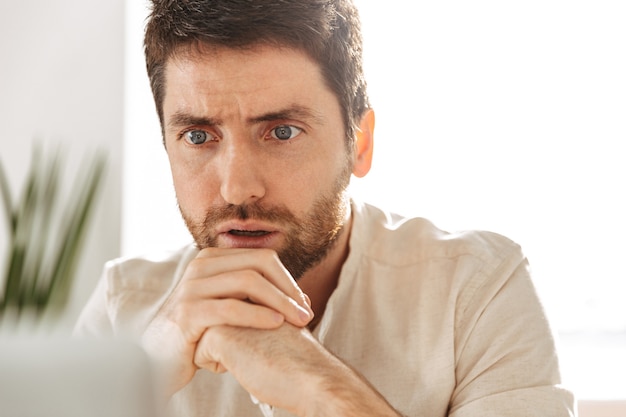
(46, 234)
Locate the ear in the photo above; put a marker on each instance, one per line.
(364, 145)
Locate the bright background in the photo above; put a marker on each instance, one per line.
(505, 116)
(62, 86)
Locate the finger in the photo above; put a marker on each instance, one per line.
(209, 365)
(204, 359)
(250, 286)
(265, 261)
(195, 318)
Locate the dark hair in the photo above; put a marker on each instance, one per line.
(329, 31)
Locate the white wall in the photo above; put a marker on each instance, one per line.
(510, 116)
(61, 82)
(151, 221)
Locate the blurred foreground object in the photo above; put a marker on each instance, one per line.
(46, 234)
(59, 377)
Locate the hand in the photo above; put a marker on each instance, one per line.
(234, 287)
(288, 368)
(277, 366)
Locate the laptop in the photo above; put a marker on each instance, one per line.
(64, 377)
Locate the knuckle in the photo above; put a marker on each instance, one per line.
(247, 279)
(266, 254)
(214, 336)
(183, 294)
(181, 312)
(225, 309)
(194, 268)
(207, 252)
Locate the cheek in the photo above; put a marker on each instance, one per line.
(194, 190)
(314, 180)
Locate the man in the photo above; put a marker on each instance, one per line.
(293, 295)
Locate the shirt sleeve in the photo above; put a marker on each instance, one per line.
(506, 357)
(94, 320)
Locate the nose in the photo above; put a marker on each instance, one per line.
(241, 173)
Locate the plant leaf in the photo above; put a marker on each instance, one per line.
(7, 202)
(23, 221)
(39, 240)
(72, 236)
(43, 252)
(5, 191)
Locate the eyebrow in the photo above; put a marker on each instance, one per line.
(292, 112)
(181, 118)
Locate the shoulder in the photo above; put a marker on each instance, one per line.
(129, 293)
(411, 254)
(151, 271)
(133, 289)
(400, 240)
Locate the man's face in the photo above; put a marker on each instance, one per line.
(257, 149)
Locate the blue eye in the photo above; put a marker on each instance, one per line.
(285, 132)
(197, 137)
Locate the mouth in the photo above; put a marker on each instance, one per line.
(248, 233)
(249, 238)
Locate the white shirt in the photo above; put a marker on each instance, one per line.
(440, 324)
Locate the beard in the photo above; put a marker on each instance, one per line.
(309, 239)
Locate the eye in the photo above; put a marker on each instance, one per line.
(197, 137)
(285, 132)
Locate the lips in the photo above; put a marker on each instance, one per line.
(248, 233)
(250, 228)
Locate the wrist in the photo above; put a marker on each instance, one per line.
(341, 391)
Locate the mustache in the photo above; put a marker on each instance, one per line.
(203, 230)
(272, 214)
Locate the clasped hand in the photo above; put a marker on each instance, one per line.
(237, 310)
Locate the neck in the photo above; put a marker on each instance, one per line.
(320, 281)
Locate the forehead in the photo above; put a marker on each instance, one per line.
(249, 76)
(218, 57)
